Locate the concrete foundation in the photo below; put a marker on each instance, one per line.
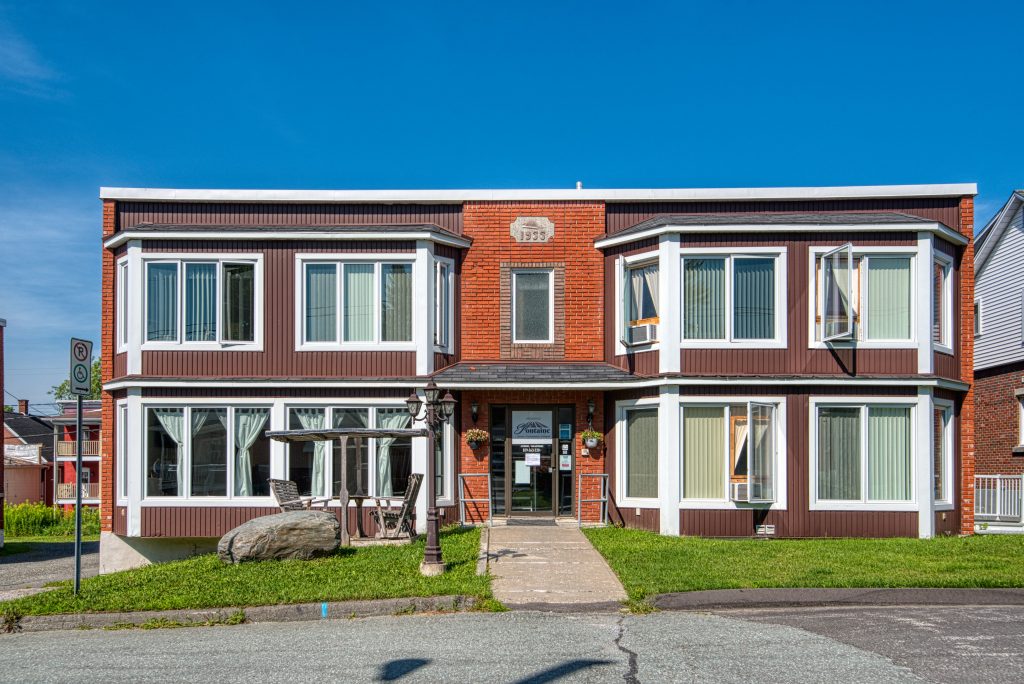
(124, 553)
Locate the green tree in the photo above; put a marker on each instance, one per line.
(63, 390)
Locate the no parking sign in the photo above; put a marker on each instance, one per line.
(81, 366)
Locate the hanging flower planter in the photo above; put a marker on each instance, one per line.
(476, 437)
(591, 438)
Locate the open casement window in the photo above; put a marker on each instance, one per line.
(836, 316)
(639, 302)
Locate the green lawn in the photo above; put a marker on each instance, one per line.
(649, 563)
(205, 582)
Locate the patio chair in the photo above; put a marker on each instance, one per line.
(287, 494)
(394, 523)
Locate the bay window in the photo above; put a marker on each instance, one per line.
(733, 298)
(942, 302)
(639, 470)
(862, 296)
(533, 306)
(211, 302)
(442, 303)
(863, 453)
(730, 451)
(206, 451)
(355, 302)
(639, 301)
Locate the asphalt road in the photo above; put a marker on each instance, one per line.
(849, 645)
(45, 562)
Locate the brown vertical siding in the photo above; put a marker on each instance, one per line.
(447, 216)
(120, 521)
(120, 365)
(296, 392)
(622, 215)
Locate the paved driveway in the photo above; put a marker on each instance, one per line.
(45, 562)
(855, 645)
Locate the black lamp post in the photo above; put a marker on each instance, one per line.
(437, 411)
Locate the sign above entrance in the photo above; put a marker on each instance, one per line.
(532, 229)
(531, 427)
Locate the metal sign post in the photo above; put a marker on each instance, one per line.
(81, 384)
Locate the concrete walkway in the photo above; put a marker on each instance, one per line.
(548, 567)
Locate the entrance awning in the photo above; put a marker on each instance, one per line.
(469, 375)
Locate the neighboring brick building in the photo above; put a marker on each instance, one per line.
(999, 368)
(788, 362)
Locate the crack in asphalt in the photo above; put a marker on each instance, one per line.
(631, 656)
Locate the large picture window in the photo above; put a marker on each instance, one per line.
(730, 452)
(732, 298)
(862, 296)
(207, 451)
(863, 453)
(640, 448)
(202, 302)
(356, 302)
(532, 306)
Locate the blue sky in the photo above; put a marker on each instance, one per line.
(449, 95)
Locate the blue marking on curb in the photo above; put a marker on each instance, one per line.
(323, 610)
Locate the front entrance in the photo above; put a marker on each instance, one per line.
(532, 460)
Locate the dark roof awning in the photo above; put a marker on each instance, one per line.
(469, 374)
(327, 435)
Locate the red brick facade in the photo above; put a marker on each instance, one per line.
(999, 420)
(967, 444)
(579, 325)
(107, 372)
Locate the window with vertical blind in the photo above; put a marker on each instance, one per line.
(639, 445)
(353, 303)
(868, 297)
(863, 453)
(733, 299)
(205, 304)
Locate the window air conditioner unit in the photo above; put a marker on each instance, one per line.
(740, 491)
(641, 334)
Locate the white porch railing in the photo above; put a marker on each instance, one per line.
(90, 447)
(998, 497)
(66, 490)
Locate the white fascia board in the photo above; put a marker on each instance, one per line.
(610, 195)
(326, 234)
(606, 386)
(819, 228)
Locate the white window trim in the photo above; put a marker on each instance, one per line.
(862, 403)
(781, 256)
(1020, 420)
(645, 259)
(447, 437)
(551, 304)
(878, 251)
(449, 288)
(121, 473)
(979, 319)
(946, 502)
(180, 259)
(947, 303)
(339, 261)
(621, 408)
(121, 285)
(781, 482)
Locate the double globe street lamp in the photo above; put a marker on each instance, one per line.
(437, 412)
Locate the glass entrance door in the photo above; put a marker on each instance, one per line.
(531, 460)
(531, 478)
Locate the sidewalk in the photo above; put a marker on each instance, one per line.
(549, 567)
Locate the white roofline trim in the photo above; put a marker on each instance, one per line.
(607, 386)
(611, 195)
(939, 229)
(989, 236)
(328, 233)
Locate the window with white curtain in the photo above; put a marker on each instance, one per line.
(639, 471)
(867, 297)
(207, 451)
(720, 451)
(638, 301)
(355, 302)
(863, 453)
(731, 298)
(211, 302)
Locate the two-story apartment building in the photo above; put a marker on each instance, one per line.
(793, 362)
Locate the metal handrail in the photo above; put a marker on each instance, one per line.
(463, 500)
(603, 477)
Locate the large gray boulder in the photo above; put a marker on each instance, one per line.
(293, 534)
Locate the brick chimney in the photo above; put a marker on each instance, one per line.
(23, 407)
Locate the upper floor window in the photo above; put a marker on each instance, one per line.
(942, 302)
(122, 305)
(733, 299)
(213, 302)
(639, 301)
(977, 318)
(862, 296)
(442, 303)
(356, 302)
(533, 306)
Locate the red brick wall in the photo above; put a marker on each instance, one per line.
(967, 367)
(479, 461)
(998, 420)
(106, 372)
(580, 318)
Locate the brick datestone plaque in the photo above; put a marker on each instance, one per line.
(532, 229)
